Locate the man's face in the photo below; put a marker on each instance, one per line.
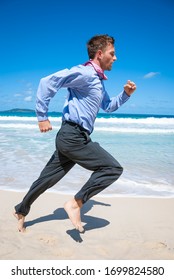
(107, 57)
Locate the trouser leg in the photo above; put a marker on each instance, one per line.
(55, 169)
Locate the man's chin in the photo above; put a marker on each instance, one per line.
(109, 68)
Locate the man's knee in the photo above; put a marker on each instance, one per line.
(118, 170)
(113, 171)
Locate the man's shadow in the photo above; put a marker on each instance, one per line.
(90, 221)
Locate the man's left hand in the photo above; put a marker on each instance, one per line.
(130, 87)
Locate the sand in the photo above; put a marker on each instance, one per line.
(117, 228)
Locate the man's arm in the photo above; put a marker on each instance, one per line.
(48, 87)
(112, 104)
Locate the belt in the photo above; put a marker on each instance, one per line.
(75, 125)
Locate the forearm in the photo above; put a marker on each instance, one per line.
(112, 104)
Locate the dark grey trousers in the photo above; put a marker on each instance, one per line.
(74, 145)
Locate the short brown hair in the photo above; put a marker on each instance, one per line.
(98, 42)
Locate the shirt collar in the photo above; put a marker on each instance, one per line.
(97, 68)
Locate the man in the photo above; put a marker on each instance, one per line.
(87, 94)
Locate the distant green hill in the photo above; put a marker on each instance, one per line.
(18, 110)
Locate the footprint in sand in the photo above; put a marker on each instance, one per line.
(48, 240)
(155, 245)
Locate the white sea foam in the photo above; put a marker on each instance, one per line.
(20, 119)
(135, 130)
(149, 120)
(18, 125)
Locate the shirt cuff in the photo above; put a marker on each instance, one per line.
(41, 116)
(125, 95)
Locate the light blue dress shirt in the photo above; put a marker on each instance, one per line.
(86, 95)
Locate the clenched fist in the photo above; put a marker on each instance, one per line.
(130, 87)
(45, 126)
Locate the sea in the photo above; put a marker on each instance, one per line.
(143, 144)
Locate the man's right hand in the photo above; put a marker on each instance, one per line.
(45, 126)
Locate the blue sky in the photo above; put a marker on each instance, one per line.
(40, 37)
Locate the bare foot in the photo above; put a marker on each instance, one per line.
(72, 208)
(21, 220)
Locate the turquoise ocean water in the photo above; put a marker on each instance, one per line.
(143, 144)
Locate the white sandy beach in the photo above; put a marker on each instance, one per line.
(116, 229)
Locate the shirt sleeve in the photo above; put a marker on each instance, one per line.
(112, 104)
(49, 86)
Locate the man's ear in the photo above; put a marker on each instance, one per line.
(99, 54)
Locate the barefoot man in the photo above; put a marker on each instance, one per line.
(86, 95)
